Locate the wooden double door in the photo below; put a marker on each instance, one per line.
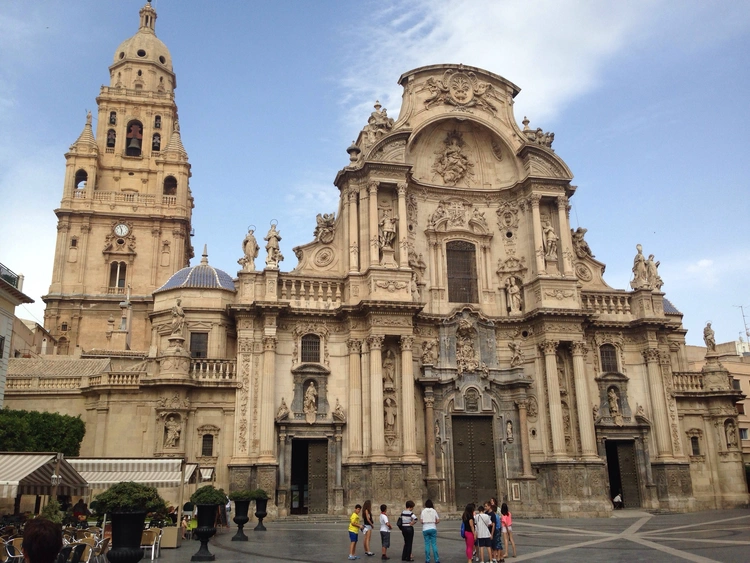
(473, 460)
(309, 477)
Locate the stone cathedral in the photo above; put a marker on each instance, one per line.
(444, 335)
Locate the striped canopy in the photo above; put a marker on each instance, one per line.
(31, 474)
(102, 473)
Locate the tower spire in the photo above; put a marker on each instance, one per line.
(148, 18)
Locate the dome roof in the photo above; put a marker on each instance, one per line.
(144, 46)
(201, 276)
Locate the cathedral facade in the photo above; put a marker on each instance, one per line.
(445, 334)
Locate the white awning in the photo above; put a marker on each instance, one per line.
(102, 473)
(31, 474)
(190, 472)
(207, 473)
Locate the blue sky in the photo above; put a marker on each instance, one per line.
(648, 101)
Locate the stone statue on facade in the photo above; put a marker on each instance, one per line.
(272, 248)
(390, 415)
(612, 402)
(172, 431)
(178, 318)
(516, 358)
(324, 230)
(550, 240)
(640, 270)
(389, 369)
(429, 352)
(387, 230)
(310, 403)
(338, 412)
(513, 293)
(509, 431)
(378, 125)
(414, 288)
(466, 358)
(283, 412)
(438, 214)
(250, 248)
(709, 337)
(580, 246)
(731, 435)
(652, 273)
(451, 163)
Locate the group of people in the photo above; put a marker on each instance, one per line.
(485, 530)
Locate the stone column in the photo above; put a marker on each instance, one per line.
(366, 408)
(353, 232)
(565, 242)
(373, 220)
(583, 403)
(376, 398)
(658, 403)
(267, 422)
(355, 400)
(549, 347)
(429, 424)
(408, 411)
(523, 435)
(365, 251)
(403, 228)
(536, 219)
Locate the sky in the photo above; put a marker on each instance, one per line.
(647, 99)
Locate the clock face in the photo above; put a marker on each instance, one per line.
(121, 230)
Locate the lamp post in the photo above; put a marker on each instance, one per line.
(56, 478)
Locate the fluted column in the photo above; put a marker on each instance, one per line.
(567, 251)
(373, 220)
(658, 403)
(549, 347)
(523, 435)
(376, 398)
(267, 424)
(403, 241)
(354, 427)
(583, 403)
(429, 426)
(408, 411)
(365, 251)
(536, 220)
(366, 397)
(353, 232)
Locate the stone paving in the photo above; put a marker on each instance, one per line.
(628, 536)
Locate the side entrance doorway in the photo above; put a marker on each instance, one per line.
(623, 472)
(474, 460)
(309, 482)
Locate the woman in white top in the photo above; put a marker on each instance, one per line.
(430, 519)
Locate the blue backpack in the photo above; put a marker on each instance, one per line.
(463, 529)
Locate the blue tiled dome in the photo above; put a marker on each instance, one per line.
(201, 276)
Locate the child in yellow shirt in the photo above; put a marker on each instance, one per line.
(355, 525)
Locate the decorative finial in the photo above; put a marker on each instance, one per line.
(88, 118)
(204, 259)
(525, 123)
(377, 105)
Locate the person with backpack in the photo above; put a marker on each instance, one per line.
(406, 524)
(467, 530)
(484, 527)
(496, 547)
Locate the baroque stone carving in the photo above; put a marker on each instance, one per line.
(580, 246)
(513, 295)
(549, 238)
(283, 412)
(460, 89)
(250, 249)
(178, 319)
(389, 369)
(378, 125)
(645, 272)
(390, 412)
(311, 403)
(324, 230)
(533, 410)
(583, 272)
(537, 135)
(272, 248)
(709, 338)
(172, 431)
(451, 162)
(559, 294)
(430, 352)
(517, 357)
(390, 285)
(466, 358)
(338, 412)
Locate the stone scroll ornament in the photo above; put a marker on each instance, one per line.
(460, 89)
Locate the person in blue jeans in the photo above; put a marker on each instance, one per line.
(430, 520)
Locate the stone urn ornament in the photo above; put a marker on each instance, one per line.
(208, 499)
(241, 505)
(261, 503)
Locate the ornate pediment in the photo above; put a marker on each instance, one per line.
(461, 89)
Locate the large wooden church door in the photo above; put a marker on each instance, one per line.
(317, 463)
(623, 472)
(473, 460)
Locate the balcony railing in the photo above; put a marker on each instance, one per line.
(606, 302)
(687, 381)
(213, 370)
(311, 293)
(9, 275)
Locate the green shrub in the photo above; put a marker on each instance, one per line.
(33, 431)
(130, 497)
(244, 494)
(51, 512)
(258, 494)
(209, 495)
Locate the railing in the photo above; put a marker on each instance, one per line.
(9, 275)
(122, 379)
(311, 293)
(169, 200)
(18, 383)
(109, 150)
(687, 381)
(606, 303)
(114, 290)
(59, 383)
(138, 92)
(124, 197)
(79, 194)
(212, 370)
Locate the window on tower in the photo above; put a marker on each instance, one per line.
(81, 178)
(117, 271)
(111, 138)
(113, 118)
(156, 142)
(462, 272)
(170, 185)
(157, 122)
(134, 139)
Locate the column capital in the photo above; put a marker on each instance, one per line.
(407, 342)
(578, 348)
(269, 343)
(651, 355)
(429, 402)
(562, 202)
(353, 193)
(375, 341)
(373, 188)
(522, 405)
(355, 346)
(402, 188)
(534, 200)
(549, 346)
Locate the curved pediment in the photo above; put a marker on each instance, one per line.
(543, 163)
(390, 149)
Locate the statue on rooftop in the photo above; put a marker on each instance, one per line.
(272, 248)
(250, 248)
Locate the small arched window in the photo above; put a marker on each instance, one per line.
(134, 138)
(73, 242)
(81, 178)
(462, 272)
(113, 118)
(170, 185)
(157, 122)
(310, 345)
(117, 271)
(111, 138)
(156, 142)
(608, 356)
(695, 445)
(207, 447)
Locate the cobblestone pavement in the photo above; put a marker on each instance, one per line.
(628, 536)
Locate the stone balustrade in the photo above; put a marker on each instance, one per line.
(213, 370)
(130, 92)
(608, 303)
(315, 293)
(687, 381)
(18, 384)
(59, 383)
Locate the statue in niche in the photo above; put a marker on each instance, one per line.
(172, 432)
(414, 288)
(709, 337)
(310, 403)
(389, 369)
(429, 352)
(595, 411)
(178, 319)
(324, 230)
(550, 240)
(338, 412)
(472, 400)
(387, 230)
(516, 354)
(509, 431)
(640, 270)
(390, 414)
(438, 214)
(250, 248)
(513, 293)
(612, 401)
(272, 248)
(580, 246)
(652, 273)
(466, 358)
(283, 412)
(451, 162)
(731, 435)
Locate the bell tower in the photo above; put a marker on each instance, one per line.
(124, 221)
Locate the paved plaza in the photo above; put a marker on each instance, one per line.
(722, 535)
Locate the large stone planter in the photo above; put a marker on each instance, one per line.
(260, 512)
(240, 518)
(205, 529)
(127, 528)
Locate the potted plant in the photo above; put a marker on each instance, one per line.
(208, 499)
(127, 504)
(241, 504)
(51, 512)
(261, 503)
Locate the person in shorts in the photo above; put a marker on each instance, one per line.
(385, 531)
(355, 525)
(484, 527)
